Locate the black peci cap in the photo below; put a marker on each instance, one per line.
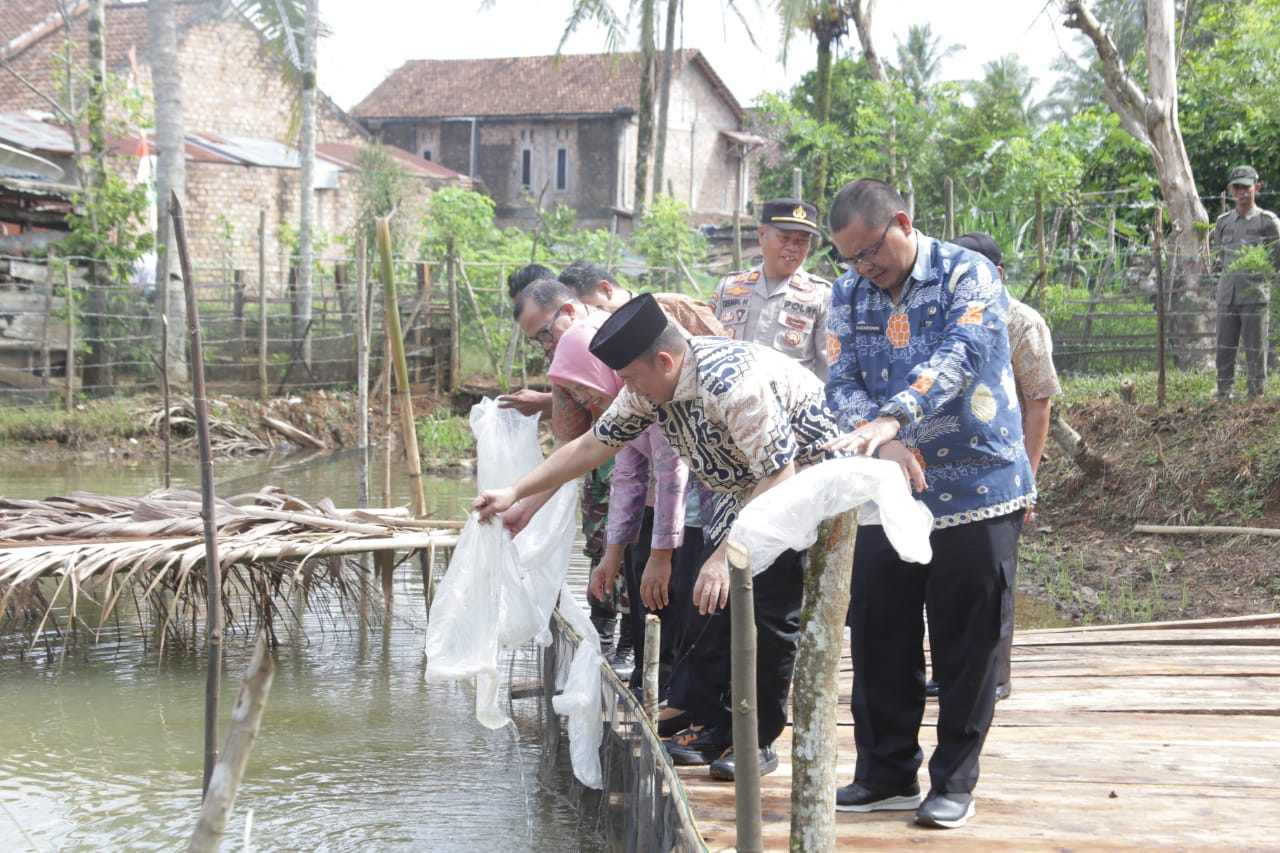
(628, 332)
(982, 243)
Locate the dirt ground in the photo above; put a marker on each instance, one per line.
(1184, 465)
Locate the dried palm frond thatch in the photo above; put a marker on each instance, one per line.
(72, 560)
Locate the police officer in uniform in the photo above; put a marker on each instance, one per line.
(778, 304)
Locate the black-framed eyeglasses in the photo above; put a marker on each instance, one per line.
(863, 258)
(544, 335)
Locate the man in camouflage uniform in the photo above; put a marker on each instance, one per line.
(1243, 294)
(778, 304)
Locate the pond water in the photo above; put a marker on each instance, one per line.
(356, 750)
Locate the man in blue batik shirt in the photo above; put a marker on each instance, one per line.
(921, 374)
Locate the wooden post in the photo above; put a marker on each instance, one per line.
(263, 385)
(737, 210)
(949, 199)
(362, 377)
(213, 569)
(815, 703)
(246, 718)
(46, 362)
(455, 323)
(746, 733)
(1158, 250)
(652, 651)
(237, 309)
(71, 338)
(402, 371)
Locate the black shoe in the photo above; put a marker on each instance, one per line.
(931, 688)
(674, 725)
(859, 798)
(1003, 689)
(945, 811)
(722, 767)
(697, 746)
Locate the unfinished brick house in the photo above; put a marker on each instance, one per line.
(236, 108)
(562, 131)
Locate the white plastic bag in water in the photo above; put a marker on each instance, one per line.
(498, 592)
(581, 699)
(788, 515)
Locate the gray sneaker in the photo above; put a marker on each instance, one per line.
(859, 798)
(945, 811)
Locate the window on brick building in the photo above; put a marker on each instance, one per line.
(526, 168)
(562, 169)
(426, 153)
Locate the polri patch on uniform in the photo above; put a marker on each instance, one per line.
(801, 323)
(793, 337)
(726, 317)
(737, 291)
(804, 295)
(802, 285)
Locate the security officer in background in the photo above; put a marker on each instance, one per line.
(778, 304)
(1243, 294)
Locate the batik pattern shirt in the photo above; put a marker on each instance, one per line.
(942, 354)
(1031, 350)
(740, 413)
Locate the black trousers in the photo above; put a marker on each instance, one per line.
(966, 587)
(684, 574)
(777, 594)
(633, 562)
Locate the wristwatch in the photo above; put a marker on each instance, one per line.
(894, 410)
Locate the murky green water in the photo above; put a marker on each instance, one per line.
(356, 751)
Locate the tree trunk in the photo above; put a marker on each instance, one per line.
(815, 703)
(307, 151)
(1074, 444)
(664, 94)
(171, 176)
(644, 139)
(1152, 119)
(98, 366)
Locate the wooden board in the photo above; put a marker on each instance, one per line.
(1146, 738)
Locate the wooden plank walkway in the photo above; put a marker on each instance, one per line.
(1163, 736)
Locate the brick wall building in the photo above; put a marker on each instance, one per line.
(236, 113)
(564, 130)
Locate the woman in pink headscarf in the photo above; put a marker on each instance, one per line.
(633, 510)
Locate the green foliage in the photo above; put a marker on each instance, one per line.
(460, 220)
(1253, 260)
(381, 189)
(112, 418)
(445, 436)
(665, 236)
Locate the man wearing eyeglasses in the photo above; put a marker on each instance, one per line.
(921, 374)
(778, 304)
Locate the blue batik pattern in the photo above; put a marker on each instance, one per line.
(942, 353)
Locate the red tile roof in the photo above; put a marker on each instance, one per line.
(571, 84)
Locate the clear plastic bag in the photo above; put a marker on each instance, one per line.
(580, 698)
(498, 592)
(788, 515)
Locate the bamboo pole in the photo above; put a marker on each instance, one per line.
(263, 384)
(1158, 251)
(246, 718)
(816, 684)
(455, 322)
(402, 371)
(1207, 530)
(213, 569)
(652, 653)
(70, 396)
(475, 306)
(362, 374)
(746, 734)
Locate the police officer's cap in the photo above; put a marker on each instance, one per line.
(628, 332)
(790, 214)
(1246, 175)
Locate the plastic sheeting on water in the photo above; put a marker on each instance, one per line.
(499, 592)
(788, 515)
